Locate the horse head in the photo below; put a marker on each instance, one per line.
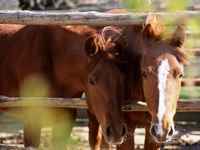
(162, 70)
(104, 88)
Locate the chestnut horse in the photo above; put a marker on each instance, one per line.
(154, 76)
(72, 59)
(157, 76)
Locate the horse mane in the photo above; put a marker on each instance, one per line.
(112, 44)
(107, 50)
(181, 55)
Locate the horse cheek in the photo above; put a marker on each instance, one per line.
(174, 95)
(150, 90)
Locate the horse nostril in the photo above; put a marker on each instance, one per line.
(153, 131)
(108, 131)
(171, 132)
(123, 130)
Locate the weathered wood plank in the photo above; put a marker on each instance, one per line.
(191, 105)
(68, 18)
(190, 82)
(129, 105)
(196, 51)
(42, 102)
(183, 105)
(84, 18)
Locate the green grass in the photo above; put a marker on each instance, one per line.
(82, 120)
(83, 95)
(186, 123)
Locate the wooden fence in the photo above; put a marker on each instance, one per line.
(88, 18)
(85, 18)
(129, 105)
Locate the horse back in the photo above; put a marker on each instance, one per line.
(55, 52)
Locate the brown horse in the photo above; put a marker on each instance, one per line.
(7, 30)
(72, 59)
(158, 78)
(154, 76)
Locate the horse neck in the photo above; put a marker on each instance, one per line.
(133, 34)
(134, 89)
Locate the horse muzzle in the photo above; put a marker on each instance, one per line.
(113, 136)
(161, 135)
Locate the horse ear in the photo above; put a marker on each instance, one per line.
(152, 28)
(178, 39)
(91, 47)
(148, 32)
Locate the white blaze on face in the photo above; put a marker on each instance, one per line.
(163, 71)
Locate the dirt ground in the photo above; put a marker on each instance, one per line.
(11, 136)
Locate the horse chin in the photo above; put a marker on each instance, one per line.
(162, 141)
(114, 142)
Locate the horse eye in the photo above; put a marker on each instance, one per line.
(91, 81)
(144, 74)
(181, 75)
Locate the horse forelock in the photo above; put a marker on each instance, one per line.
(181, 56)
(159, 34)
(109, 46)
(163, 40)
(178, 52)
(112, 37)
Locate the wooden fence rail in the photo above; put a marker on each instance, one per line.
(190, 82)
(196, 51)
(9, 102)
(84, 18)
